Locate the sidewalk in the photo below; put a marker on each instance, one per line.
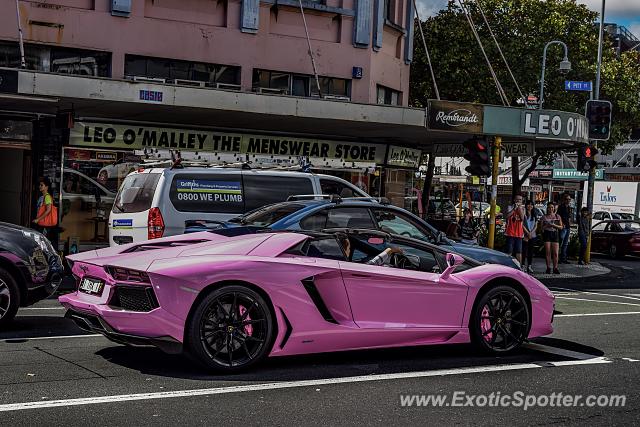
(568, 271)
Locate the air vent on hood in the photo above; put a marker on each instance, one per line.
(162, 245)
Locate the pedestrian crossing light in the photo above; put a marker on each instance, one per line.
(586, 158)
(599, 117)
(478, 156)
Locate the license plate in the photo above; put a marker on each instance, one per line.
(91, 286)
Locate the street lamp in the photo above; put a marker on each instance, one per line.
(565, 67)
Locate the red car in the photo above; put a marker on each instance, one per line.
(616, 238)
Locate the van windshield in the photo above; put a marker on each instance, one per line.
(136, 193)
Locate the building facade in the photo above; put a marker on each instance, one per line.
(227, 68)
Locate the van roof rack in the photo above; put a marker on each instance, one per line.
(336, 198)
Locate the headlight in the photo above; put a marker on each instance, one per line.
(42, 241)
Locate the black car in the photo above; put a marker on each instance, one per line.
(30, 269)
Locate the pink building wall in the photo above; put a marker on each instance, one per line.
(209, 31)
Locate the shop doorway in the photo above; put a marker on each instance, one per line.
(16, 188)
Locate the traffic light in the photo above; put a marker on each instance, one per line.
(586, 158)
(599, 117)
(478, 157)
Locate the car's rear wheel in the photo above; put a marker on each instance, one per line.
(500, 321)
(9, 297)
(231, 329)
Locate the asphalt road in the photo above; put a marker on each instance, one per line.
(593, 351)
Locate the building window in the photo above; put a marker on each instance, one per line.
(174, 69)
(389, 96)
(390, 11)
(300, 84)
(56, 59)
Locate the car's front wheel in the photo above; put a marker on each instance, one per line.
(9, 297)
(500, 320)
(231, 329)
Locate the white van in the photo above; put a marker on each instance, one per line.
(153, 203)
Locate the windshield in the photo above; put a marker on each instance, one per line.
(630, 226)
(266, 216)
(136, 193)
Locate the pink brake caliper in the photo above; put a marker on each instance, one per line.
(248, 329)
(485, 324)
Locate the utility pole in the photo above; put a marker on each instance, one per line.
(497, 146)
(592, 171)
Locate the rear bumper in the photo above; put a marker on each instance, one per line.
(92, 323)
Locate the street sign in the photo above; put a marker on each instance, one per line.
(580, 86)
(575, 175)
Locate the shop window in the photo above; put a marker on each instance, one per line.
(300, 84)
(174, 69)
(56, 59)
(388, 96)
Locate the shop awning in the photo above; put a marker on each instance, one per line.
(95, 99)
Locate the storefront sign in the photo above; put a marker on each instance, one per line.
(531, 188)
(574, 174)
(139, 137)
(555, 125)
(449, 150)
(508, 180)
(403, 157)
(106, 156)
(455, 116)
(541, 173)
(516, 149)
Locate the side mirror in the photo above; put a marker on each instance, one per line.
(453, 260)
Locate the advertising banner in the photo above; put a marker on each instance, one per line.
(455, 116)
(138, 137)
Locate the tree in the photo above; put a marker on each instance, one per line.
(523, 27)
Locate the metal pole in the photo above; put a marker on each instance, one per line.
(544, 63)
(313, 61)
(497, 145)
(23, 63)
(592, 171)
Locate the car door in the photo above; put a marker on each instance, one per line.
(387, 297)
(598, 236)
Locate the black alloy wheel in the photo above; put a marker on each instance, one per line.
(500, 321)
(231, 329)
(9, 297)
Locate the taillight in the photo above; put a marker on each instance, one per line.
(155, 224)
(119, 273)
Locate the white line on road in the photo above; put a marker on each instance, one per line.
(60, 337)
(597, 300)
(290, 384)
(600, 293)
(596, 314)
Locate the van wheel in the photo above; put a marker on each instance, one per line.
(232, 329)
(9, 297)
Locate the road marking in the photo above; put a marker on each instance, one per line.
(558, 351)
(596, 314)
(600, 293)
(59, 337)
(597, 300)
(290, 384)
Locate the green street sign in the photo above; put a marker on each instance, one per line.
(575, 175)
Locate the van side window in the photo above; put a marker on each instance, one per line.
(330, 186)
(261, 190)
(220, 193)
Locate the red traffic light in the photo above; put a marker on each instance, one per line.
(587, 152)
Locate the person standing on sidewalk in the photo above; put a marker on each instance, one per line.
(551, 226)
(515, 230)
(530, 224)
(583, 234)
(47, 215)
(565, 213)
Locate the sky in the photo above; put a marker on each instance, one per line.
(622, 12)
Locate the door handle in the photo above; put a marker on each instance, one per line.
(360, 275)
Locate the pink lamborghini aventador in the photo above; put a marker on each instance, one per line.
(233, 301)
